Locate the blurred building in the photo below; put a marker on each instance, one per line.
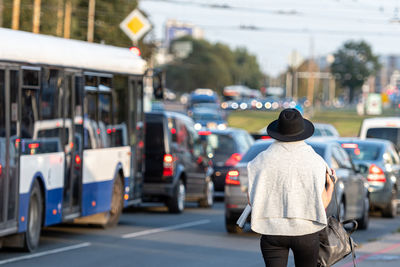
(388, 78)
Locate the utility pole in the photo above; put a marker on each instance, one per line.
(1, 12)
(90, 31)
(310, 82)
(332, 88)
(60, 16)
(36, 16)
(15, 14)
(67, 19)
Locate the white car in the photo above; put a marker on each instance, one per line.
(387, 128)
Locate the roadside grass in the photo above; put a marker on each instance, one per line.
(347, 122)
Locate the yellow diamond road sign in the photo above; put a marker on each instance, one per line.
(135, 25)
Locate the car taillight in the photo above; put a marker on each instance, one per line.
(168, 165)
(233, 160)
(232, 178)
(376, 174)
(1, 169)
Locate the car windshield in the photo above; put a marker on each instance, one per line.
(202, 100)
(391, 134)
(207, 117)
(360, 151)
(211, 105)
(223, 146)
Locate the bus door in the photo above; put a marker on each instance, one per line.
(137, 130)
(73, 144)
(9, 80)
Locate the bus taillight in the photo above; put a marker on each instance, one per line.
(77, 160)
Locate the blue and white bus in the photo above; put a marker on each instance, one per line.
(71, 134)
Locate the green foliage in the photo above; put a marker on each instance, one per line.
(213, 66)
(108, 16)
(354, 63)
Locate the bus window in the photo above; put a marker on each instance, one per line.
(30, 77)
(105, 119)
(50, 104)
(105, 84)
(2, 111)
(13, 156)
(30, 115)
(121, 111)
(2, 140)
(91, 82)
(90, 125)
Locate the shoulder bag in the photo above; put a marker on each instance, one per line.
(335, 241)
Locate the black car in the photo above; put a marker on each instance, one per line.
(228, 147)
(379, 160)
(177, 168)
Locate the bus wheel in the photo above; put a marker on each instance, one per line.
(35, 216)
(117, 203)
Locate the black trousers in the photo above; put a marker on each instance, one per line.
(275, 250)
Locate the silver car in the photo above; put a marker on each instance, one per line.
(351, 187)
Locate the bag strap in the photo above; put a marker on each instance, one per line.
(334, 194)
(352, 251)
(345, 222)
(355, 225)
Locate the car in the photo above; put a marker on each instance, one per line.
(324, 129)
(201, 96)
(206, 118)
(380, 161)
(351, 187)
(177, 168)
(387, 128)
(228, 146)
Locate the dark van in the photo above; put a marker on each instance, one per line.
(177, 168)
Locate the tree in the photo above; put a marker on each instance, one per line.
(213, 66)
(354, 63)
(248, 71)
(201, 69)
(108, 16)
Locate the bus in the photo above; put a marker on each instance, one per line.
(71, 134)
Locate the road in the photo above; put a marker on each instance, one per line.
(150, 236)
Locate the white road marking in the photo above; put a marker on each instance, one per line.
(165, 229)
(45, 253)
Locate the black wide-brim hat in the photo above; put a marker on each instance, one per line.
(290, 126)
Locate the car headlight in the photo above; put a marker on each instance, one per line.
(197, 126)
(221, 126)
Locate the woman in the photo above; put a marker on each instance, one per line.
(289, 190)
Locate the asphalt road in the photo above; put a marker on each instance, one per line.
(150, 236)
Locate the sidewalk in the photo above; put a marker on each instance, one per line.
(383, 252)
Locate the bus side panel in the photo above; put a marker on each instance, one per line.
(49, 168)
(99, 167)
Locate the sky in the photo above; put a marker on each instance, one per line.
(310, 27)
